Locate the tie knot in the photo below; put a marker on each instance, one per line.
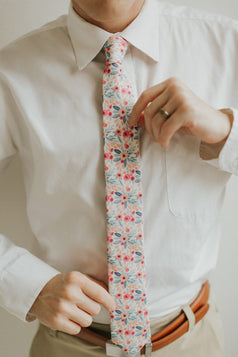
(115, 49)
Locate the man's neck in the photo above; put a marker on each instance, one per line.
(114, 25)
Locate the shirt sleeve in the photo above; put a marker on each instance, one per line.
(227, 159)
(22, 275)
(7, 109)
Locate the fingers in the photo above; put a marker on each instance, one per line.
(168, 129)
(91, 288)
(145, 98)
(65, 325)
(88, 305)
(80, 317)
(96, 292)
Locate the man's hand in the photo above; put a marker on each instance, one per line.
(68, 301)
(188, 114)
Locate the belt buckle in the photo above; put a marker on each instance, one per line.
(113, 350)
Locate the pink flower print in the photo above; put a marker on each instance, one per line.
(127, 230)
(118, 132)
(110, 114)
(126, 146)
(127, 332)
(127, 218)
(111, 199)
(123, 239)
(126, 134)
(132, 135)
(106, 168)
(116, 88)
(125, 102)
(123, 278)
(132, 297)
(119, 331)
(104, 112)
(125, 349)
(119, 175)
(106, 156)
(128, 189)
(132, 178)
(119, 256)
(124, 315)
(146, 313)
(124, 197)
(111, 149)
(122, 112)
(144, 330)
(127, 177)
(139, 275)
(123, 90)
(119, 295)
(105, 125)
(111, 157)
(108, 70)
(127, 269)
(139, 236)
(132, 219)
(127, 307)
(123, 155)
(139, 312)
(140, 195)
(126, 258)
(111, 279)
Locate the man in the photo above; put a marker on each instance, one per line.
(181, 65)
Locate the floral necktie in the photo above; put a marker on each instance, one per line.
(130, 327)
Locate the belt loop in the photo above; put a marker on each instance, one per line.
(148, 349)
(190, 316)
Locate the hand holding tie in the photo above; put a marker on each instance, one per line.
(187, 114)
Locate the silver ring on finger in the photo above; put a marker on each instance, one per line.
(164, 113)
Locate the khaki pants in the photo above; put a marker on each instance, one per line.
(203, 339)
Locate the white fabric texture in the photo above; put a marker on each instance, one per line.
(51, 115)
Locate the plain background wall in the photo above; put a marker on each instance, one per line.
(18, 17)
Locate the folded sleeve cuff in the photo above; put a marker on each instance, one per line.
(228, 158)
(21, 283)
(224, 156)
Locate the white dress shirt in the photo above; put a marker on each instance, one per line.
(51, 115)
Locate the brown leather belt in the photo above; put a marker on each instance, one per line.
(170, 333)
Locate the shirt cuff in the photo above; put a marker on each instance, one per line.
(227, 159)
(21, 282)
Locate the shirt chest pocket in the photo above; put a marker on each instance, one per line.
(195, 188)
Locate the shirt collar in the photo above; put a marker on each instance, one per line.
(88, 39)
